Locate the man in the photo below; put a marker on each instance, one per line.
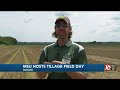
(63, 51)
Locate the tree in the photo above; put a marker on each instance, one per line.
(8, 40)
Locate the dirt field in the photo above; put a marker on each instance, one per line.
(29, 54)
(19, 55)
(104, 55)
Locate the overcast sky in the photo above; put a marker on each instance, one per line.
(38, 26)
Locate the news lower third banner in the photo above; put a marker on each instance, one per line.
(52, 67)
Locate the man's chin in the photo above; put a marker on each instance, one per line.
(61, 37)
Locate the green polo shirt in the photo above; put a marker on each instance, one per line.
(71, 51)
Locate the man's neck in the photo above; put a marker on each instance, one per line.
(62, 42)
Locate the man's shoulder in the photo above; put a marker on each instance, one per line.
(77, 46)
(50, 45)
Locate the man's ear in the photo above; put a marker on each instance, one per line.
(54, 27)
(70, 28)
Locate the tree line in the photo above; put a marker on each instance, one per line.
(8, 40)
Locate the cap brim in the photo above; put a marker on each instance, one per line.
(61, 19)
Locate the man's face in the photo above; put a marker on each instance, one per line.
(62, 29)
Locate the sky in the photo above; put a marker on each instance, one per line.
(38, 26)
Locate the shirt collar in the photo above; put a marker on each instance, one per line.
(68, 44)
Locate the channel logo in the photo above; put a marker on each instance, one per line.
(110, 67)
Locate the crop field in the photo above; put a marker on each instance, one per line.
(29, 54)
(19, 55)
(108, 54)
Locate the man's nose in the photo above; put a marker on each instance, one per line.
(62, 27)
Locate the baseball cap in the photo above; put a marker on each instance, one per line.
(65, 18)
